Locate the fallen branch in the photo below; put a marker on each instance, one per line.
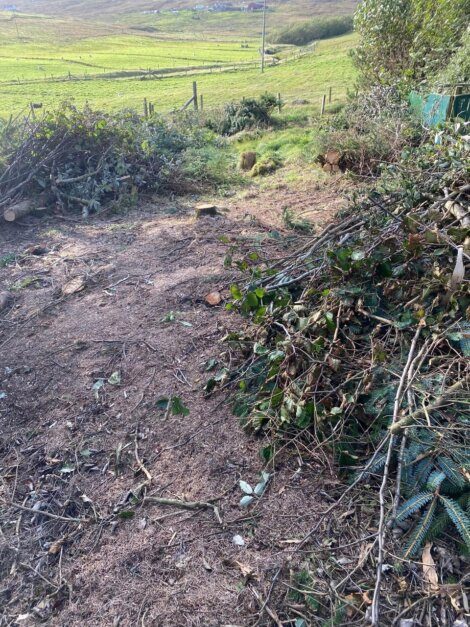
(48, 514)
(375, 607)
(421, 413)
(193, 505)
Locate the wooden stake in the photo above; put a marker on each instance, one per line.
(279, 102)
(146, 108)
(195, 101)
(323, 103)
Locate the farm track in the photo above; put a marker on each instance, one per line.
(79, 451)
(170, 72)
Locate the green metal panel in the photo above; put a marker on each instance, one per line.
(436, 108)
(461, 107)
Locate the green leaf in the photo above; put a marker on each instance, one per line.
(435, 479)
(246, 500)
(169, 317)
(458, 517)
(266, 453)
(115, 378)
(67, 468)
(235, 292)
(419, 534)
(259, 349)
(413, 504)
(210, 364)
(260, 488)
(126, 514)
(251, 300)
(162, 403)
(358, 255)
(451, 471)
(245, 487)
(177, 407)
(330, 321)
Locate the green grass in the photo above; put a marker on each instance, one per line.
(307, 77)
(46, 48)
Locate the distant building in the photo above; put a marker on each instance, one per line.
(255, 6)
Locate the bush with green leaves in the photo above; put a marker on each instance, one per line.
(371, 130)
(249, 113)
(319, 28)
(408, 41)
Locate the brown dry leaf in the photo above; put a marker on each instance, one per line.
(213, 298)
(366, 598)
(56, 546)
(73, 286)
(429, 569)
(206, 564)
(364, 553)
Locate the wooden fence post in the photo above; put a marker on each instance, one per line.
(329, 96)
(323, 102)
(146, 108)
(196, 106)
(279, 102)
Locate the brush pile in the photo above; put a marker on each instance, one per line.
(361, 343)
(79, 159)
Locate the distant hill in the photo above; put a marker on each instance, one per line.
(120, 9)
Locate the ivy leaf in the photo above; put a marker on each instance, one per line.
(235, 292)
(178, 408)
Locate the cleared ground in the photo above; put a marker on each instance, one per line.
(74, 452)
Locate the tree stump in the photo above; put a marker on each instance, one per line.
(205, 210)
(247, 160)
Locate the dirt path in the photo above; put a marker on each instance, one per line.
(74, 445)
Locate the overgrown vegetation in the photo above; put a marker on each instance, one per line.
(249, 113)
(408, 41)
(370, 131)
(319, 28)
(84, 158)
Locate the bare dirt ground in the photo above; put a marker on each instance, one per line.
(85, 356)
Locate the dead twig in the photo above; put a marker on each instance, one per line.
(193, 505)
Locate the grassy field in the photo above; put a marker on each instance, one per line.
(306, 77)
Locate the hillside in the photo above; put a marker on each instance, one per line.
(159, 14)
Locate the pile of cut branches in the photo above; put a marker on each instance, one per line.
(361, 341)
(78, 159)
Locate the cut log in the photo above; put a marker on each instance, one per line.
(15, 212)
(213, 298)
